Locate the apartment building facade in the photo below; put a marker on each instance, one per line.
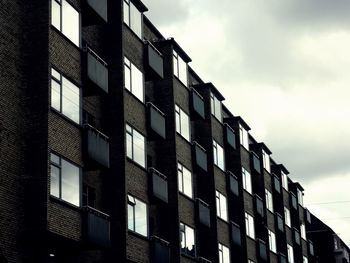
(112, 149)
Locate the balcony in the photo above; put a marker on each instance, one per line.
(236, 234)
(154, 62)
(96, 227)
(96, 146)
(96, 73)
(262, 250)
(198, 104)
(96, 12)
(200, 156)
(160, 250)
(156, 120)
(230, 136)
(159, 185)
(203, 212)
(256, 162)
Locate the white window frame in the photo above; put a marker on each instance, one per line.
(272, 241)
(290, 253)
(61, 81)
(303, 231)
(58, 162)
(216, 107)
(182, 171)
(247, 181)
(300, 197)
(287, 218)
(224, 254)
(266, 161)
(180, 68)
(249, 225)
(134, 204)
(129, 82)
(269, 200)
(132, 132)
(184, 230)
(243, 137)
(128, 7)
(218, 154)
(63, 4)
(181, 119)
(284, 180)
(221, 206)
(305, 259)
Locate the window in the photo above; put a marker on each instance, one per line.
(215, 105)
(243, 137)
(234, 184)
(284, 180)
(66, 19)
(137, 216)
(188, 246)
(88, 196)
(293, 200)
(303, 231)
(287, 217)
(272, 241)
(65, 96)
(135, 146)
(185, 180)
(247, 181)
(290, 254)
(218, 153)
(236, 234)
(250, 261)
(221, 206)
(64, 180)
(296, 236)
(133, 79)
(182, 123)
(308, 216)
(266, 160)
(224, 254)
(311, 248)
(133, 17)
(305, 260)
(180, 68)
(300, 197)
(269, 201)
(249, 225)
(280, 224)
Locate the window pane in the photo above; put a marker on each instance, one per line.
(139, 148)
(127, 77)
(175, 65)
(54, 158)
(70, 22)
(70, 183)
(217, 105)
(226, 254)
(137, 82)
(56, 74)
(221, 159)
(141, 218)
(177, 121)
(55, 94)
(131, 217)
(70, 100)
(56, 14)
(55, 181)
(126, 13)
(187, 176)
(190, 245)
(129, 145)
(182, 71)
(223, 206)
(135, 20)
(185, 129)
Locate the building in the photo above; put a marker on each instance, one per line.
(328, 246)
(112, 149)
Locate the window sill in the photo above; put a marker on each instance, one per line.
(222, 170)
(222, 220)
(178, 80)
(53, 110)
(245, 191)
(216, 118)
(188, 256)
(66, 38)
(133, 32)
(65, 203)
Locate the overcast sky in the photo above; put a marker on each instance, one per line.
(283, 66)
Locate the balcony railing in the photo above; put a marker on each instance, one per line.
(159, 185)
(97, 72)
(96, 227)
(157, 120)
(154, 62)
(160, 250)
(97, 145)
(100, 7)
